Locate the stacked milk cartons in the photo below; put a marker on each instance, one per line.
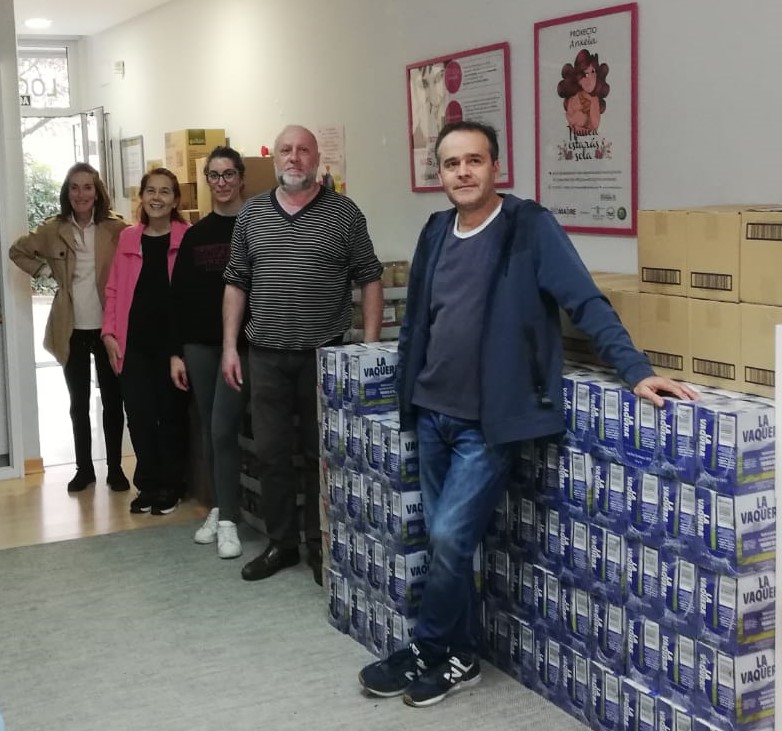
(628, 576)
(377, 538)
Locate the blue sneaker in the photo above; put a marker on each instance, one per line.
(435, 684)
(392, 676)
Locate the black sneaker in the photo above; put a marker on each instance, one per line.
(142, 503)
(433, 685)
(392, 676)
(165, 503)
(116, 480)
(81, 480)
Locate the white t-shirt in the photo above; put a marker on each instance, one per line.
(87, 310)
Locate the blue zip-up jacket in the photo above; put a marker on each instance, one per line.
(535, 271)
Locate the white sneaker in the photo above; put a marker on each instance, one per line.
(228, 545)
(207, 533)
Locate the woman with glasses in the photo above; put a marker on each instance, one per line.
(76, 248)
(135, 334)
(196, 344)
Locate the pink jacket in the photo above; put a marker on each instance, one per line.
(124, 274)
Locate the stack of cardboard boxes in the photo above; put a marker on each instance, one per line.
(708, 295)
(186, 153)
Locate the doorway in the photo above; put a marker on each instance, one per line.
(51, 145)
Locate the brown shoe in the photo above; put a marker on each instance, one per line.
(273, 559)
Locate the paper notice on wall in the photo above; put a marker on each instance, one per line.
(331, 143)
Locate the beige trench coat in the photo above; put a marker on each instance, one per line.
(52, 243)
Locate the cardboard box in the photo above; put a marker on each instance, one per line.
(191, 215)
(758, 323)
(715, 343)
(761, 256)
(188, 198)
(621, 290)
(662, 252)
(259, 176)
(713, 236)
(664, 334)
(185, 146)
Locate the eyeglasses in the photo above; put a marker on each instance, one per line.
(227, 175)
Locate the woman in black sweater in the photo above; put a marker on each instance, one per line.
(197, 336)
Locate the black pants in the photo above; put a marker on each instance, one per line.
(282, 384)
(77, 378)
(157, 422)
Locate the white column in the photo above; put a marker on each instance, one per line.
(19, 417)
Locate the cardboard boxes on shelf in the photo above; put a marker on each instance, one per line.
(183, 147)
(662, 254)
(259, 177)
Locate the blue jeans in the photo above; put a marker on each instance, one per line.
(462, 480)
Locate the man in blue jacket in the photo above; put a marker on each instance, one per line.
(480, 368)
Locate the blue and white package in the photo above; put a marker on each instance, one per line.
(336, 488)
(552, 547)
(639, 707)
(521, 521)
(339, 544)
(578, 492)
(606, 402)
(576, 688)
(680, 592)
(547, 596)
(608, 560)
(643, 578)
(737, 533)
(343, 381)
(737, 442)
(678, 437)
(575, 546)
(372, 380)
(374, 506)
(639, 430)
(354, 497)
(335, 440)
(549, 663)
(678, 672)
(496, 574)
(338, 608)
(498, 639)
(644, 498)
(375, 553)
(376, 627)
(372, 435)
(522, 654)
(609, 633)
(400, 457)
(357, 555)
(736, 689)
(353, 436)
(576, 611)
(611, 483)
(522, 586)
(738, 613)
(497, 531)
(399, 630)
(606, 711)
(644, 660)
(357, 627)
(672, 717)
(578, 409)
(406, 578)
(550, 452)
(405, 526)
(679, 515)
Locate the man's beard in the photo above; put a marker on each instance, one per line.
(295, 182)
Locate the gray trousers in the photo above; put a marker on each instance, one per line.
(221, 410)
(283, 384)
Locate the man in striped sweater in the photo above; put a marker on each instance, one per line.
(294, 254)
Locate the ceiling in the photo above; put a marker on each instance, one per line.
(72, 18)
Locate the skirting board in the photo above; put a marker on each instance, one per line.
(33, 466)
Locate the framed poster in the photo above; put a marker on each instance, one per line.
(131, 155)
(586, 128)
(472, 85)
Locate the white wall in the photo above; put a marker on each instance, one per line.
(708, 104)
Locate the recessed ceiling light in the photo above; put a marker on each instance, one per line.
(37, 23)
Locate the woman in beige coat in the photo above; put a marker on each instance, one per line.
(76, 248)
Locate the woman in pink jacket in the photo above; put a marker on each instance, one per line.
(136, 339)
